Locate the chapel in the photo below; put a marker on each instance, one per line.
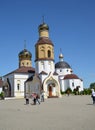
(47, 76)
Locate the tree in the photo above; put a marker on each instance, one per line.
(92, 86)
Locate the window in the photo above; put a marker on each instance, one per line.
(73, 84)
(49, 53)
(22, 63)
(26, 55)
(42, 62)
(60, 70)
(27, 63)
(18, 87)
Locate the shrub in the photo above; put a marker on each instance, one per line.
(2, 95)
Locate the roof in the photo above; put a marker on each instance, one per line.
(31, 78)
(55, 73)
(62, 64)
(44, 40)
(43, 72)
(71, 76)
(23, 69)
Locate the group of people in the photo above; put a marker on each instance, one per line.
(35, 98)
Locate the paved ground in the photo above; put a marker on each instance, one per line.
(67, 113)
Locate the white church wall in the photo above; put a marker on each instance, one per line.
(63, 72)
(47, 66)
(81, 86)
(19, 80)
(43, 77)
(66, 84)
(62, 87)
(75, 83)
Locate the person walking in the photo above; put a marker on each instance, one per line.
(42, 97)
(34, 98)
(37, 99)
(93, 96)
(27, 98)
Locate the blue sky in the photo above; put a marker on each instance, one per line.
(72, 28)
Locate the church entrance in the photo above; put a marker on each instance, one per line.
(51, 88)
(50, 91)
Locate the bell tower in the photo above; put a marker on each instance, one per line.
(44, 50)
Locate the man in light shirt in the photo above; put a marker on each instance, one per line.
(93, 96)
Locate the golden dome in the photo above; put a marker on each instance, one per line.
(43, 26)
(25, 54)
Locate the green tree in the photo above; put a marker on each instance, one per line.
(92, 86)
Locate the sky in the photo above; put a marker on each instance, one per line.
(71, 28)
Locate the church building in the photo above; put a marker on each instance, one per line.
(14, 81)
(47, 76)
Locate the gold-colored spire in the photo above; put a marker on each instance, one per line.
(61, 55)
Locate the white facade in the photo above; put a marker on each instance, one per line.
(46, 66)
(73, 84)
(64, 71)
(51, 86)
(16, 82)
(52, 76)
(66, 78)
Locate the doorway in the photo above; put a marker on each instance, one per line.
(50, 91)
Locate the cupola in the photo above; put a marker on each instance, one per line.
(43, 30)
(25, 58)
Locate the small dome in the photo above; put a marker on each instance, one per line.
(62, 64)
(61, 55)
(71, 76)
(43, 26)
(25, 52)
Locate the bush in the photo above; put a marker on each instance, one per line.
(2, 95)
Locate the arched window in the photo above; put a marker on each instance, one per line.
(22, 64)
(18, 87)
(27, 63)
(49, 53)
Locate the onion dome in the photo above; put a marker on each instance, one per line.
(71, 76)
(25, 58)
(62, 64)
(43, 26)
(43, 30)
(25, 54)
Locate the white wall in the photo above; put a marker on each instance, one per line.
(45, 66)
(0, 89)
(64, 71)
(21, 78)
